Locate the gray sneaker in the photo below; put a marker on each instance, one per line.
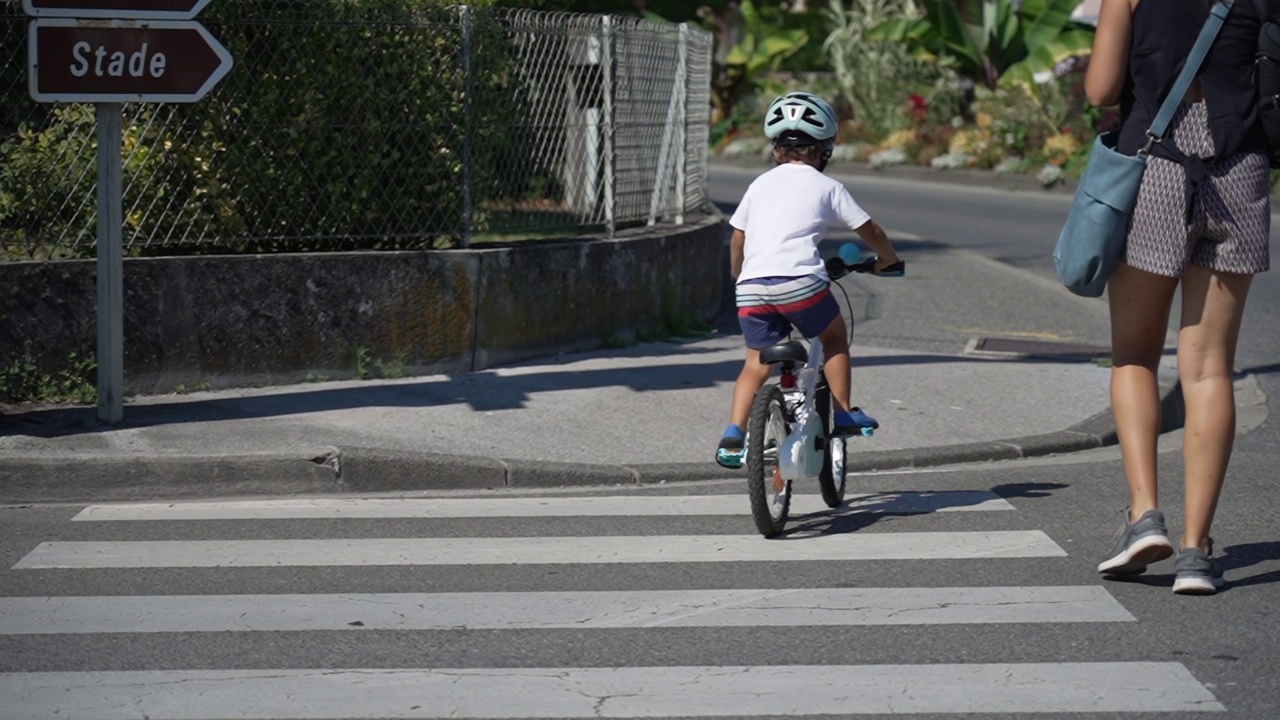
(1198, 574)
(1137, 545)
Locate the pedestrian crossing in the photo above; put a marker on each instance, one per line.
(714, 592)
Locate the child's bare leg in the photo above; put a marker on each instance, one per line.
(754, 374)
(1212, 306)
(835, 348)
(1139, 317)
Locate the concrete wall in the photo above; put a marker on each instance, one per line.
(243, 320)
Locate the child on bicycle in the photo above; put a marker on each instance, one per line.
(782, 281)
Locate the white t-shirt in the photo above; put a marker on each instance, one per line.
(784, 213)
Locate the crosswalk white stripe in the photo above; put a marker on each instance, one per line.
(607, 692)
(662, 505)
(538, 550)
(557, 610)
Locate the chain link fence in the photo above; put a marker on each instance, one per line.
(374, 124)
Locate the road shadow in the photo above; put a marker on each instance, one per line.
(1028, 489)
(866, 511)
(1258, 370)
(481, 391)
(1237, 557)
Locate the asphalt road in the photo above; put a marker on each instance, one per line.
(221, 605)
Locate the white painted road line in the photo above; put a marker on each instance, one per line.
(661, 505)
(557, 610)
(539, 550)
(606, 692)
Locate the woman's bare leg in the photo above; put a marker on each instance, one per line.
(1212, 307)
(1139, 317)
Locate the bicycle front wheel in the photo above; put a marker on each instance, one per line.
(831, 479)
(770, 492)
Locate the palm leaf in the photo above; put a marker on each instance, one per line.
(756, 54)
(1043, 20)
(900, 30)
(1072, 43)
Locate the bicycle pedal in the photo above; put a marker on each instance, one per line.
(730, 459)
(868, 431)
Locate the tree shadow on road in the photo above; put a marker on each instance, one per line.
(482, 391)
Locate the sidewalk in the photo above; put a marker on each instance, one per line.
(650, 413)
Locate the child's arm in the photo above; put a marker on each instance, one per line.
(869, 230)
(737, 243)
(875, 236)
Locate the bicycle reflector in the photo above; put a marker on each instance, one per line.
(787, 381)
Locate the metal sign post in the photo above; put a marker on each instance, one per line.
(110, 264)
(110, 52)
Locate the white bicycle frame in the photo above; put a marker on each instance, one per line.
(800, 454)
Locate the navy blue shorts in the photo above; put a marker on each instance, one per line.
(768, 308)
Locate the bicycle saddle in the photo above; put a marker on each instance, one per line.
(789, 350)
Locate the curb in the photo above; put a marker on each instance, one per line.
(330, 470)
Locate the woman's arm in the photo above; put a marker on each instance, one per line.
(1109, 64)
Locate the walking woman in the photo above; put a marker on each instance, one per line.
(1202, 219)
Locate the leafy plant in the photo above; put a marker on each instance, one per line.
(341, 120)
(363, 360)
(997, 41)
(22, 381)
(45, 180)
(392, 368)
(875, 75)
(749, 44)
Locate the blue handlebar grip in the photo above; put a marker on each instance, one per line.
(850, 253)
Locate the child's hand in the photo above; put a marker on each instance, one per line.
(886, 261)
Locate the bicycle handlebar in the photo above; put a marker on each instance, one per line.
(838, 268)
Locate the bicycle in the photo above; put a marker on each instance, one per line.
(789, 429)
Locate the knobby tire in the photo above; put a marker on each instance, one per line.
(834, 474)
(768, 402)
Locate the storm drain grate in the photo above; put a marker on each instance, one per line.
(1035, 348)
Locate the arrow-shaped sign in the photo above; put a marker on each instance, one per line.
(118, 9)
(119, 61)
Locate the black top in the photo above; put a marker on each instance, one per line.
(1163, 33)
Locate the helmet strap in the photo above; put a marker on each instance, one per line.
(828, 147)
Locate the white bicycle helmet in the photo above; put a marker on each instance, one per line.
(799, 118)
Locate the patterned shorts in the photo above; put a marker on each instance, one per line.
(769, 307)
(1229, 226)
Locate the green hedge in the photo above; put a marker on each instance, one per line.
(342, 120)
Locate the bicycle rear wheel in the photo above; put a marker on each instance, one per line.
(831, 480)
(770, 493)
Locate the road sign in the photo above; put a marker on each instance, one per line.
(123, 61)
(118, 9)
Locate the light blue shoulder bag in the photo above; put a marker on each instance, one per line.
(1093, 236)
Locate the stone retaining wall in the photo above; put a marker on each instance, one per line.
(272, 319)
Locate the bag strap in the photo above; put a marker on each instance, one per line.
(1217, 15)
